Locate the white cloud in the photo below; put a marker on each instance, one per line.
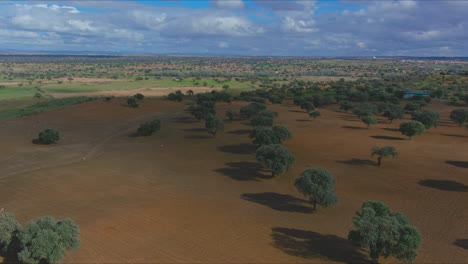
(229, 4)
(223, 45)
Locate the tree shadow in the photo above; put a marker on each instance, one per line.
(279, 202)
(354, 127)
(244, 148)
(244, 171)
(240, 131)
(453, 135)
(195, 129)
(358, 162)
(297, 111)
(463, 243)
(184, 120)
(388, 137)
(10, 255)
(198, 137)
(443, 185)
(309, 244)
(457, 163)
(303, 120)
(37, 141)
(391, 129)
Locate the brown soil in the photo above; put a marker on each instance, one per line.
(182, 195)
(152, 92)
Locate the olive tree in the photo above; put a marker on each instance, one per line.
(459, 116)
(214, 124)
(264, 136)
(319, 186)
(392, 112)
(281, 132)
(45, 240)
(148, 128)
(385, 233)
(383, 152)
(48, 136)
(276, 157)
(427, 117)
(369, 120)
(230, 114)
(314, 114)
(251, 109)
(412, 128)
(132, 102)
(346, 106)
(365, 109)
(262, 120)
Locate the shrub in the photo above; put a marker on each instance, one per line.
(48, 136)
(139, 96)
(148, 128)
(177, 96)
(314, 114)
(132, 102)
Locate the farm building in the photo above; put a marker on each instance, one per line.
(411, 94)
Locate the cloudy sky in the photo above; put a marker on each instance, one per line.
(238, 27)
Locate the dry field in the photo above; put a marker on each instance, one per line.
(182, 195)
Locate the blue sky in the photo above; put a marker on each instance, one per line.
(238, 27)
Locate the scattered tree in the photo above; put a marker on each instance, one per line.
(392, 112)
(412, 106)
(383, 152)
(346, 106)
(230, 114)
(214, 124)
(132, 102)
(427, 117)
(177, 96)
(319, 185)
(45, 240)
(262, 120)
(139, 96)
(308, 106)
(48, 136)
(412, 128)
(264, 136)
(369, 120)
(252, 109)
(314, 114)
(148, 128)
(281, 132)
(276, 157)
(459, 116)
(365, 109)
(385, 233)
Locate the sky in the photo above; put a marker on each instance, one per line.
(238, 27)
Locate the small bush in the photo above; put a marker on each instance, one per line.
(148, 128)
(48, 136)
(139, 96)
(132, 102)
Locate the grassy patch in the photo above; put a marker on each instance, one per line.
(43, 106)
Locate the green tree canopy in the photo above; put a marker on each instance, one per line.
(45, 240)
(383, 152)
(459, 116)
(49, 136)
(385, 233)
(412, 128)
(264, 136)
(346, 106)
(314, 114)
(319, 185)
(251, 109)
(369, 120)
(148, 128)
(281, 132)
(214, 124)
(276, 157)
(230, 114)
(392, 112)
(427, 117)
(365, 109)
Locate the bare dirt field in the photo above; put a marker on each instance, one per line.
(182, 195)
